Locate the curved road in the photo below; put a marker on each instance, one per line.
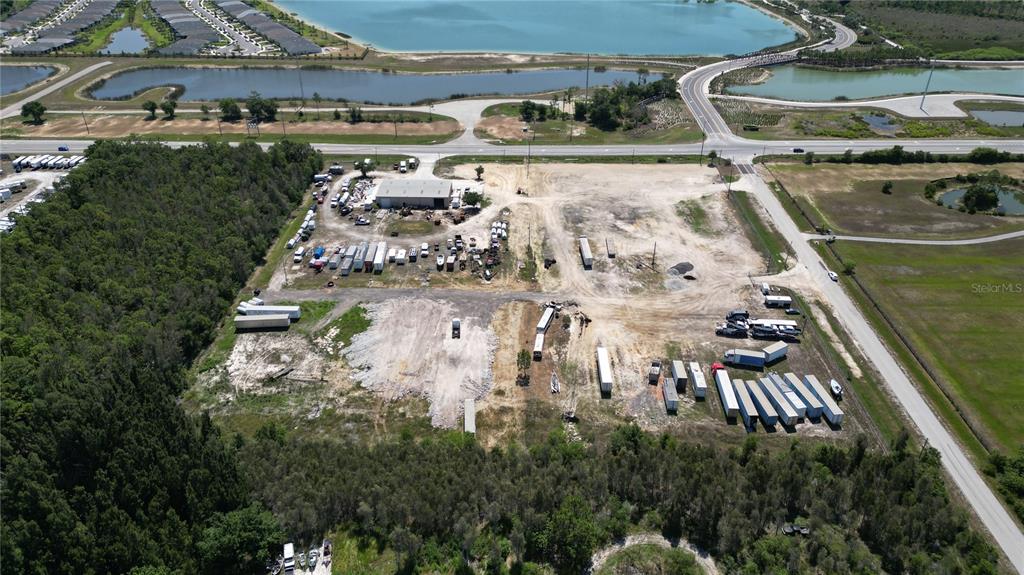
(964, 242)
(15, 108)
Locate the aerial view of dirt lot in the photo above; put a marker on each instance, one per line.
(670, 259)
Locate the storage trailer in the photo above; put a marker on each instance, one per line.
(292, 311)
(469, 416)
(588, 258)
(744, 357)
(729, 404)
(545, 319)
(379, 257)
(778, 301)
(775, 352)
(813, 404)
(764, 408)
(747, 409)
(829, 408)
(700, 385)
(538, 347)
(786, 413)
(678, 372)
(604, 370)
(256, 322)
(671, 396)
(371, 253)
(790, 394)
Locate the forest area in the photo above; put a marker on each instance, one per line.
(114, 286)
(110, 289)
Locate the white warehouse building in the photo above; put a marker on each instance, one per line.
(429, 194)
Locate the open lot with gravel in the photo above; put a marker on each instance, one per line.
(663, 223)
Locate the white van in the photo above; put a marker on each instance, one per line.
(403, 167)
(299, 254)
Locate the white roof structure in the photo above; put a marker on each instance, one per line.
(410, 189)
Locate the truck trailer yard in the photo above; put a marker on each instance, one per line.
(578, 327)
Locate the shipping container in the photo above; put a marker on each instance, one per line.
(671, 395)
(813, 405)
(678, 372)
(744, 357)
(545, 319)
(765, 410)
(254, 322)
(604, 370)
(700, 385)
(346, 265)
(747, 409)
(725, 392)
(334, 262)
(785, 412)
(538, 347)
(588, 259)
(775, 351)
(400, 257)
(368, 259)
(359, 258)
(791, 396)
(292, 311)
(829, 408)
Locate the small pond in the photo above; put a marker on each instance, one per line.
(351, 85)
(1008, 118)
(15, 78)
(1011, 202)
(883, 123)
(126, 41)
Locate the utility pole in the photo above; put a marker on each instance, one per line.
(703, 137)
(86, 124)
(634, 155)
(587, 93)
(219, 128)
(927, 85)
(654, 255)
(283, 128)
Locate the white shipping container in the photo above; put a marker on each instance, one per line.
(786, 414)
(545, 319)
(764, 408)
(790, 394)
(671, 395)
(829, 407)
(812, 403)
(292, 311)
(700, 385)
(588, 258)
(747, 410)
(604, 370)
(729, 404)
(243, 322)
(380, 256)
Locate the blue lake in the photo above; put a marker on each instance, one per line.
(534, 26)
(351, 85)
(1011, 203)
(808, 84)
(15, 78)
(126, 41)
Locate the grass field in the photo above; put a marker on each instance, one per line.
(962, 308)
(771, 245)
(502, 124)
(649, 558)
(848, 199)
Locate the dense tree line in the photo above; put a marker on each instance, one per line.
(896, 155)
(873, 56)
(1008, 470)
(610, 108)
(110, 289)
(444, 500)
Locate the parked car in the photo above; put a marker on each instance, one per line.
(792, 311)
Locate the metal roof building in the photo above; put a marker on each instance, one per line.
(431, 194)
(63, 34)
(30, 15)
(193, 34)
(290, 41)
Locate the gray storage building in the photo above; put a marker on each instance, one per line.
(429, 194)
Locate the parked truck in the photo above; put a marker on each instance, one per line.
(744, 357)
